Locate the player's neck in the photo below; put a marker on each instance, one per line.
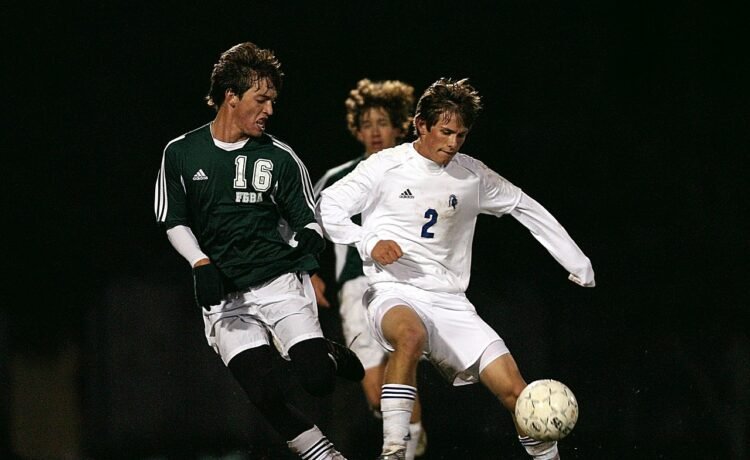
(421, 150)
(223, 129)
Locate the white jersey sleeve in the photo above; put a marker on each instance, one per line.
(499, 196)
(548, 231)
(346, 198)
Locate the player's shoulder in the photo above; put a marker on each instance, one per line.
(274, 141)
(277, 145)
(391, 157)
(485, 174)
(345, 167)
(337, 172)
(469, 163)
(188, 139)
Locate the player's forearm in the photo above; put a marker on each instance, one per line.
(185, 243)
(336, 220)
(548, 231)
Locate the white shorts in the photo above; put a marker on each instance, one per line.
(354, 323)
(283, 308)
(456, 335)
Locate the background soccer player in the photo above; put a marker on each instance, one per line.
(378, 115)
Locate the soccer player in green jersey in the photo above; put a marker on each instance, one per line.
(378, 115)
(227, 193)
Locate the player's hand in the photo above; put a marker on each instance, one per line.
(386, 252)
(209, 289)
(320, 289)
(310, 241)
(580, 282)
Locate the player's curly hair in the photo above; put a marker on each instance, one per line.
(239, 68)
(449, 96)
(394, 96)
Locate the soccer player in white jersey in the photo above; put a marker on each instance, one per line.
(221, 193)
(378, 115)
(419, 202)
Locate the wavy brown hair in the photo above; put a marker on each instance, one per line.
(393, 96)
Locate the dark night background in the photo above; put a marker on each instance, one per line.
(627, 120)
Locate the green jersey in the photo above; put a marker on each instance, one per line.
(236, 202)
(348, 261)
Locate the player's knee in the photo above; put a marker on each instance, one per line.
(411, 341)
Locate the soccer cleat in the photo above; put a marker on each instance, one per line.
(399, 454)
(347, 364)
(422, 444)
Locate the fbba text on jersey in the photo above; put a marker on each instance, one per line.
(248, 197)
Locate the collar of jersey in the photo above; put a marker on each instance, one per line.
(425, 163)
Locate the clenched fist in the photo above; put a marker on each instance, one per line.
(386, 252)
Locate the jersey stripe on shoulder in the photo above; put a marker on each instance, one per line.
(306, 182)
(160, 190)
(323, 181)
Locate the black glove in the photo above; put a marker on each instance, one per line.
(309, 241)
(209, 289)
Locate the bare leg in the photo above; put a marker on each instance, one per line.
(504, 380)
(372, 384)
(404, 330)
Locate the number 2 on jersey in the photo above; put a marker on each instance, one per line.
(432, 215)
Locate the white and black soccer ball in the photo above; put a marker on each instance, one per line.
(546, 410)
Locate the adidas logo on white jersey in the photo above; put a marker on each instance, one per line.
(406, 194)
(200, 175)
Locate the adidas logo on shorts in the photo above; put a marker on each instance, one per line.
(406, 194)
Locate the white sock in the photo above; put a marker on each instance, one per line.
(415, 431)
(540, 450)
(312, 444)
(396, 404)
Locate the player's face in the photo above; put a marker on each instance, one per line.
(252, 111)
(443, 140)
(376, 132)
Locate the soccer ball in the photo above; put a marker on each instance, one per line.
(546, 410)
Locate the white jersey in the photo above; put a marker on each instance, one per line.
(431, 212)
